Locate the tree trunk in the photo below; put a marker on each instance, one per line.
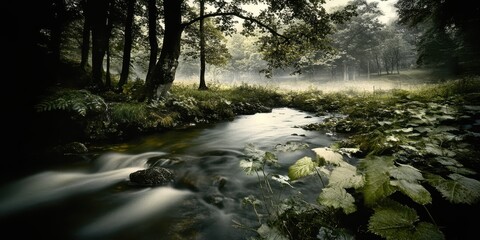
(127, 47)
(354, 73)
(163, 74)
(97, 12)
(379, 66)
(368, 70)
(203, 85)
(108, 76)
(345, 71)
(59, 12)
(397, 59)
(85, 36)
(152, 35)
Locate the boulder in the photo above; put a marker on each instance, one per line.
(155, 176)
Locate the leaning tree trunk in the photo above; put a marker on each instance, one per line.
(163, 75)
(97, 13)
(203, 85)
(127, 47)
(152, 35)
(85, 36)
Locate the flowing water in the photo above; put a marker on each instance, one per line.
(94, 199)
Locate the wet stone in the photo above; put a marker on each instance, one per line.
(155, 176)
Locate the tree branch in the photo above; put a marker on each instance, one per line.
(218, 14)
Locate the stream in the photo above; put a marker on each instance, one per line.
(94, 199)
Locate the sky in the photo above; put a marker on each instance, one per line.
(387, 8)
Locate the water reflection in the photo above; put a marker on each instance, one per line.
(262, 129)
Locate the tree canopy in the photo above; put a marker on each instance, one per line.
(289, 29)
(451, 33)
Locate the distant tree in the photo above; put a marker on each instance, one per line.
(215, 52)
(245, 56)
(357, 38)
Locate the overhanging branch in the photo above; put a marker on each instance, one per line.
(218, 14)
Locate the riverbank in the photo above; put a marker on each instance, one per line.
(433, 129)
(67, 115)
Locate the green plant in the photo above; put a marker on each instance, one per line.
(80, 102)
(289, 217)
(129, 112)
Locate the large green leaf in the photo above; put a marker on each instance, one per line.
(250, 166)
(337, 197)
(448, 161)
(253, 153)
(398, 222)
(256, 158)
(377, 180)
(271, 159)
(461, 170)
(329, 156)
(345, 177)
(393, 222)
(303, 167)
(405, 172)
(427, 231)
(457, 189)
(414, 190)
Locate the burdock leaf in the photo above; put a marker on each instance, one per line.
(337, 197)
(405, 172)
(303, 167)
(250, 166)
(377, 180)
(457, 189)
(329, 156)
(414, 190)
(345, 177)
(394, 221)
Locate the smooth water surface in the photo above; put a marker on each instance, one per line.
(96, 200)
